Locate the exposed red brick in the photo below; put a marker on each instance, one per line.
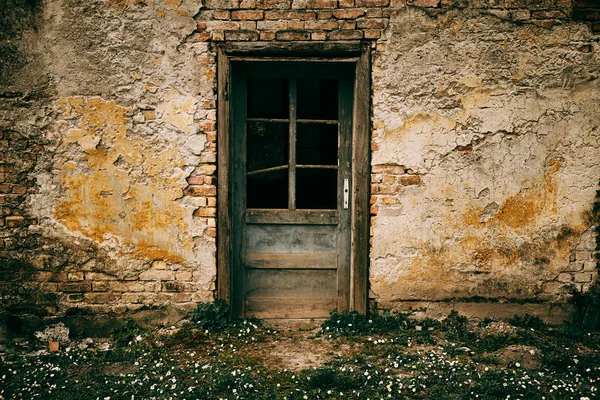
(14, 221)
(374, 210)
(248, 4)
(346, 35)
(195, 180)
(467, 148)
(372, 34)
(248, 25)
(426, 3)
(389, 169)
(292, 35)
(383, 189)
(218, 36)
(520, 15)
(205, 212)
(350, 13)
(211, 232)
(346, 3)
(389, 200)
(100, 286)
(281, 4)
(195, 38)
(372, 23)
(374, 12)
(546, 23)
(222, 25)
(102, 297)
(75, 287)
(183, 297)
(298, 14)
(247, 15)
(197, 191)
(372, 3)
(322, 25)
(347, 24)
(408, 180)
(388, 179)
(325, 14)
(318, 35)
(172, 286)
(222, 14)
(314, 4)
(548, 14)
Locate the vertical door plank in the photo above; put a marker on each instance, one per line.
(223, 150)
(292, 170)
(361, 167)
(345, 95)
(238, 191)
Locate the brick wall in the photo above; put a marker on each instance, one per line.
(305, 20)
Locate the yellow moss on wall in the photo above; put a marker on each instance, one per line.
(120, 187)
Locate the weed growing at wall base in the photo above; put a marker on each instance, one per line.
(374, 362)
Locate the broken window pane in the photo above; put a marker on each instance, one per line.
(268, 144)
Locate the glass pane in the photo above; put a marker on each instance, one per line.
(317, 144)
(268, 144)
(268, 189)
(317, 99)
(268, 98)
(316, 188)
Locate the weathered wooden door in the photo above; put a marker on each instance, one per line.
(291, 179)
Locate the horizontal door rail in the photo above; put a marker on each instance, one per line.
(283, 216)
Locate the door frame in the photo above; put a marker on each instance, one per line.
(354, 52)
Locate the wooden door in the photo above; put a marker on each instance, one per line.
(291, 180)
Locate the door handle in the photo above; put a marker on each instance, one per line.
(346, 193)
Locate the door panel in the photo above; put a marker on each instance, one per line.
(292, 128)
(297, 239)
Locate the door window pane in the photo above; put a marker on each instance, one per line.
(317, 144)
(317, 99)
(316, 188)
(268, 189)
(268, 144)
(268, 98)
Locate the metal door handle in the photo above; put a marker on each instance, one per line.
(346, 193)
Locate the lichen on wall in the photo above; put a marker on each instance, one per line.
(126, 189)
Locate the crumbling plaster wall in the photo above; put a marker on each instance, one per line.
(484, 163)
(499, 124)
(123, 199)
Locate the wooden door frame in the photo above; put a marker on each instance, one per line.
(356, 52)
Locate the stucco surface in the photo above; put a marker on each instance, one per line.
(500, 121)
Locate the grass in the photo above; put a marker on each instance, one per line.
(387, 356)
